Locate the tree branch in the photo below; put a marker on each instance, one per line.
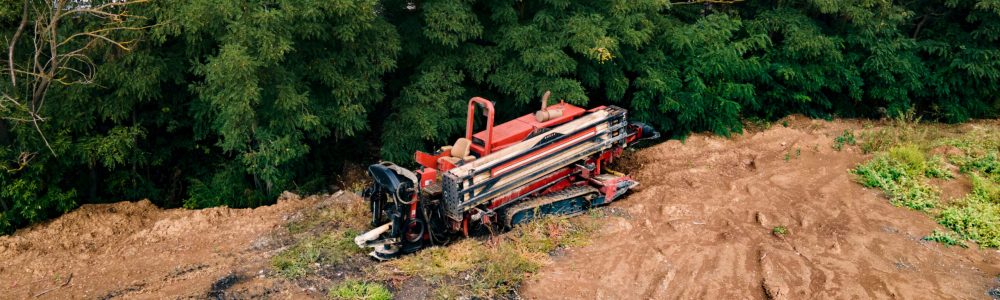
(50, 60)
(13, 42)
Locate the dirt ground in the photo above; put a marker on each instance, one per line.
(702, 225)
(136, 250)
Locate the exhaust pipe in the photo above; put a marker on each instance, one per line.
(364, 240)
(545, 114)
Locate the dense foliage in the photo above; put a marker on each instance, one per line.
(228, 102)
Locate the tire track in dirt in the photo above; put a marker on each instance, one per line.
(702, 228)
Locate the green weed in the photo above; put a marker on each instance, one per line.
(947, 238)
(358, 290)
(876, 140)
(779, 230)
(846, 138)
(901, 181)
(789, 155)
(905, 129)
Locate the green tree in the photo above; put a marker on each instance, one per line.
(201, 103)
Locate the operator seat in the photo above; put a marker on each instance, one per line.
(458, 153)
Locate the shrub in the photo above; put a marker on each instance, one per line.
(947, 238)
(977, 216)
(779, 230)
(900, 176)
(846, 138)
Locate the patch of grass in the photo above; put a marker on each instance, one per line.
(779, 230)
(358, 290)
(492, 268)
(341, 214)
(904, 129)
(977, 216)
(876, 140)
(846, 138)
(901, 181)
(301, 258)
(947, 238)
(904, 169)
(447, 292)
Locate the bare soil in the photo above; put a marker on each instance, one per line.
(136, 250)
(700, 226)
(703, 224)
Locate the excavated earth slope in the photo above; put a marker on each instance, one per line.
(136, 250)
(702, 225)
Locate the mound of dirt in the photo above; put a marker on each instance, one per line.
(134, 249)
(704, 226)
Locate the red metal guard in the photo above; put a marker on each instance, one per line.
(488, 143)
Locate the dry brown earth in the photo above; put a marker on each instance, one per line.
(136, 250)
(702, 225)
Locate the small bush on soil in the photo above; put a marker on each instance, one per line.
(846, 138)
(874, 140)
(947, 238)
(900, 177)
(300, 259)
(779, 230)
(494, 267)
(359, 290)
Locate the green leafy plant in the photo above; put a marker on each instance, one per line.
(779, 230)
(947, 238)
(977, 216)
(901, 181)
(846, 138)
